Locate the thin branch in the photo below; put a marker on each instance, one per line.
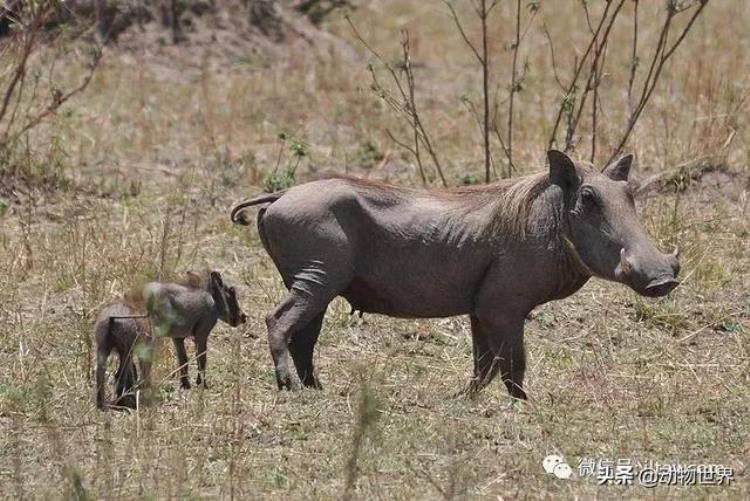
(485, 93)
(595, 103)
(60, 99)
(406, 106)
(573, 84)
(661, 56)
(689, 25)
(513, 89)
(29, 37)
(468, 42)
(598, 51)
(634, 56)
(478, 119)
(552, 55)
(588, 15)
(410, 77)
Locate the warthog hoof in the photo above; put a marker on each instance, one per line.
(474, 386)
(286, 382)
(515, 390)
(124, 402)
(519, 394)
(314, 384)
(469, 390)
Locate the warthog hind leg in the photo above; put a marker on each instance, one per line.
(302, 346)
(295, 313)
(127, 376)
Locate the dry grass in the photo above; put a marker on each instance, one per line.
(157, 154)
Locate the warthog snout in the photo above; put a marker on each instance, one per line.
(652, 274)
(243, 318)
(660, 287)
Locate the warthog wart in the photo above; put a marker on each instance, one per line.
(493, 252)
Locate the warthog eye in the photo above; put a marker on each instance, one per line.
(589, 195)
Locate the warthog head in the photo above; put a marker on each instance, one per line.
(225, 298)
(604, 229)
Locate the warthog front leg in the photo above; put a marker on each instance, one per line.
(294, 314)
(182, 359)
(302, 347)
(201, 347)
(498, 347)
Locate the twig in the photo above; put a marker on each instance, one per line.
(596, 105)
(482, 11)
(29, 36)
(457, 22)
(661, 56)
(406, 105)
(634, 57)
(591, 79)
(410, 80)
(552, 56)
(485, 92)
(513, 89)
(571, 89)
(60, 99)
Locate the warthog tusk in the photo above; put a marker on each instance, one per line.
(624, 263)
(676, 252)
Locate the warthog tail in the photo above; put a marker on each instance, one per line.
(260, 199)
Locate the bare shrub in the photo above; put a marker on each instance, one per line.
(589, 68)
(28, 81)
(580, 94)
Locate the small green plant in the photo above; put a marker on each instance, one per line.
(280, 479)
(277, 181)
(369, 155)
(468, 179)
(730, 326)
(663, 314)
(284, 177)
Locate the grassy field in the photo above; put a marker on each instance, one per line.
(142, 168)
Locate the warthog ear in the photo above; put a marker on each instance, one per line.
(562, 170)
(216, 277)
(618, 171)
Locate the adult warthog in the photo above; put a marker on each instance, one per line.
(493, 252)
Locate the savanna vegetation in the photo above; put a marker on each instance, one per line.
(128, 130)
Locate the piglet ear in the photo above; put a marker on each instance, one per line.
(562, 170)
(618, 171)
